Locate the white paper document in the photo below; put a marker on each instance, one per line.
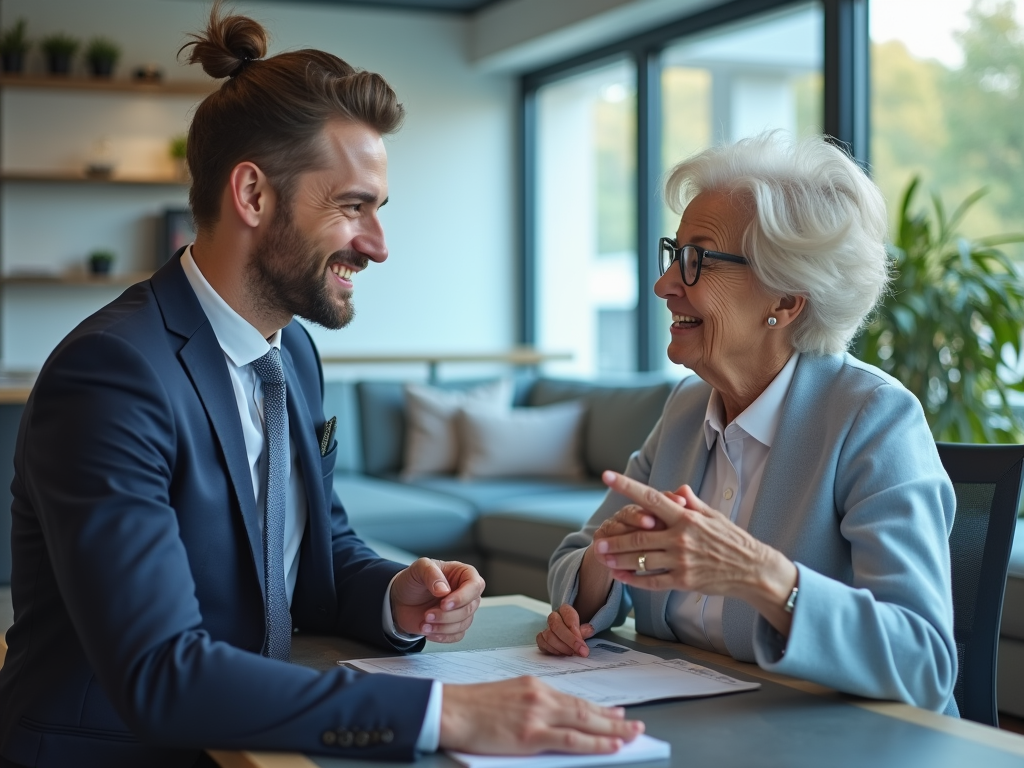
(613, 675)
(641, 750)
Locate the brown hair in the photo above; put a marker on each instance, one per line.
(271, 111)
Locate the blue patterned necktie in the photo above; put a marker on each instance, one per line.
(275, 427)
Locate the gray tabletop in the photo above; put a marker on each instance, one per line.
(776, 725)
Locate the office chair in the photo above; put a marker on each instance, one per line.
(987, 482)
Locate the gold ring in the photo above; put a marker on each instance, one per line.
(641, 564)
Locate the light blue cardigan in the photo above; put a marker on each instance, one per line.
(853, 493)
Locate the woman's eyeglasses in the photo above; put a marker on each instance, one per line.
(690, 258)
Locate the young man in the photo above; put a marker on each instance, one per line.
(174, 517)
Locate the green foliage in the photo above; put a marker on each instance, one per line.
(101, 49)
(959, 128)
(951, 323)
(179, 146)
(59, 45)
(13, 40)
(103, 257)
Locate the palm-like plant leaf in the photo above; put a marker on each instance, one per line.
(950, 328)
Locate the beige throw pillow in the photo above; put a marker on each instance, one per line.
(431, 434)
(522, 442)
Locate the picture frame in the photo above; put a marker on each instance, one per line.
(178, 230)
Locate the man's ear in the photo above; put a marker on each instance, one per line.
(250, 194)
(787, 309)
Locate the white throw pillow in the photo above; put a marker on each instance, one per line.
(522, 442)
(431, 433)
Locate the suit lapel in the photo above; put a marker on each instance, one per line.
(203, 359)
(686, 461)
(783, 478)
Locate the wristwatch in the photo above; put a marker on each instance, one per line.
(791, 602)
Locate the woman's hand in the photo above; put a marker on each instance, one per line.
(565, 636)
(692, 548)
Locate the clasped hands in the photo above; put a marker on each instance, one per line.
(685, 545)
(436, 599)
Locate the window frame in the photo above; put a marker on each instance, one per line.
(846, 84)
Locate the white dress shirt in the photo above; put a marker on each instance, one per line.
(739, 452)
(242, 344)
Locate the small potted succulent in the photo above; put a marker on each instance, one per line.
(102, 55)
(13, 47)
(60, 51)
(178, 149)
(100, 262)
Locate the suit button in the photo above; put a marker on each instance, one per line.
(344, 738)
(362, 738)
(387, 736)
(329, 738)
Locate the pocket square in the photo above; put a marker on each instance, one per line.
(325, 441)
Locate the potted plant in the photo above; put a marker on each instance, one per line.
(950, 328)
(102, 55)
(60, 50)
(100, 262)
(13, 47)
(178, 151)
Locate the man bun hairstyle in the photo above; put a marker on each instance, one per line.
(270, 111)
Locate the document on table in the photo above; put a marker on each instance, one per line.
(613, 675)
(641, 750)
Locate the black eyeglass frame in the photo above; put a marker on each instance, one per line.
(669, 243)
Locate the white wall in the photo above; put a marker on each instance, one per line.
(449, 284)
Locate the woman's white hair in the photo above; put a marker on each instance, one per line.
(817, 229)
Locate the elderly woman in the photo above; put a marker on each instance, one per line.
(789, 508)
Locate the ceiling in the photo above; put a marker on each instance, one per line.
(449, 6)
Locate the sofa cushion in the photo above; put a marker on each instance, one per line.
(432, 435)
(423, 522)
(381, 413)
(1013, 602)
(486, 495)
(521, 442)
(618, 420)
(532, 528)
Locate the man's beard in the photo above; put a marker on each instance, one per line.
(287, 276)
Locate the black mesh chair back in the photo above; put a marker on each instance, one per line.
(987, 482)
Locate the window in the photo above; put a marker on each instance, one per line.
(946, 104)
(733, 82)
(601, 131)
(586, 220)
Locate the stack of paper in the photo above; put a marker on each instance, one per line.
(613, 675)
(641, 750)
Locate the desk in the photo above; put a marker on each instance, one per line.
(787, 723)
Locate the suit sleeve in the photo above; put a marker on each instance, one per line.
(889, 634)
(97, 459)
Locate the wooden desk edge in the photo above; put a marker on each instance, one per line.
(982, 734)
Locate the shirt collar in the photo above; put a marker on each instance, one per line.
(239, 339)
(760, 419)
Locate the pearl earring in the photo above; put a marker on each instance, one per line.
(772, 321)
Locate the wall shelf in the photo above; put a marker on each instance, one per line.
(71, 177)
(68, 83)
(122, 279)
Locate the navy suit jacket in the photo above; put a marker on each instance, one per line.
(138, 568)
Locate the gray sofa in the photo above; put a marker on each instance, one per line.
(508, 528)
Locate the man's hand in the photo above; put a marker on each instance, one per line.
(524, 716)
(436, 598)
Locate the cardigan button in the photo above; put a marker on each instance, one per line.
(329, 738)
(362, 738)
(387, 736)
(344, 738)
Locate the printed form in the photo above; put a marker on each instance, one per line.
(613, 675)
